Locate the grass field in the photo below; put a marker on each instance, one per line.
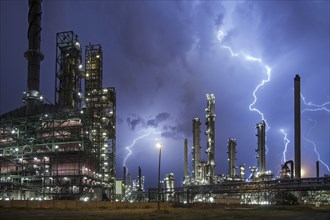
(266, 212)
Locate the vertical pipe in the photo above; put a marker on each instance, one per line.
(231, 157)
(159, 159)
(185, 158)
(140, 179)
(210, 132)
(34, 57)
(297, 128)
(196, 151)
(261, 128)
(124, 176)
(317, 169)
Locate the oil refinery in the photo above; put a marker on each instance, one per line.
(64, 150)
(67, 150)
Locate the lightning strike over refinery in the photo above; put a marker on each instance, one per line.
(311, 107)
(307, 138)
(129, 149)
(250, 58)
(183, 74)
(286, 142)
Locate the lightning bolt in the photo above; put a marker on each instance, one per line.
(286, 142)
(313, 142)
(149, 131)
(313, 108)
(250, 58)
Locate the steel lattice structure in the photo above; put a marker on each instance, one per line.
(62, 150)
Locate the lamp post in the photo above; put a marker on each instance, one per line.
(160, 154)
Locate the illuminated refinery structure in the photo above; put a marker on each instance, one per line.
(185, 162)
(64, 150)
(196, 150)
(67, 150)
(261, 151)
(210, 132)
(232, 158)
(260, 187)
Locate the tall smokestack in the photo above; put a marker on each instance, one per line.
(261, 128)
(33, 54)
(210, 132)
(196, 150)
(185, 158)
(140, 180)
(124, 176)
(231, 157)
(297, 128)
(317, 169)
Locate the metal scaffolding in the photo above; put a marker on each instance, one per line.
(100, 106)
(68, 70)
(46, 156)
(63, 151)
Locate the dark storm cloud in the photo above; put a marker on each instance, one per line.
(137, 120)
(151, 33)
(134, 121)
(159, 118)
(171, 132)
(158, 33)
(161, 122)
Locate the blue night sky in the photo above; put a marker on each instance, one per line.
(164, 56)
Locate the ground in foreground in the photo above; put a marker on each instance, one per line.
(269, 213)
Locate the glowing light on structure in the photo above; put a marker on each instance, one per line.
(250, 58)
(286, 142)
(303, 172)
(129, 148)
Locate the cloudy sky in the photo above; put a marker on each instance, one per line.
(163, 57)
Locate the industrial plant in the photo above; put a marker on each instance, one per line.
(67, 150)
(64, 150)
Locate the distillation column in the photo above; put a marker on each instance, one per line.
(68, 70)
(297, 128)
(185, 161)
(231, 157)
(101, 111)
(34, 56)
(210, 132)
(196, 149)
(261, 151)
